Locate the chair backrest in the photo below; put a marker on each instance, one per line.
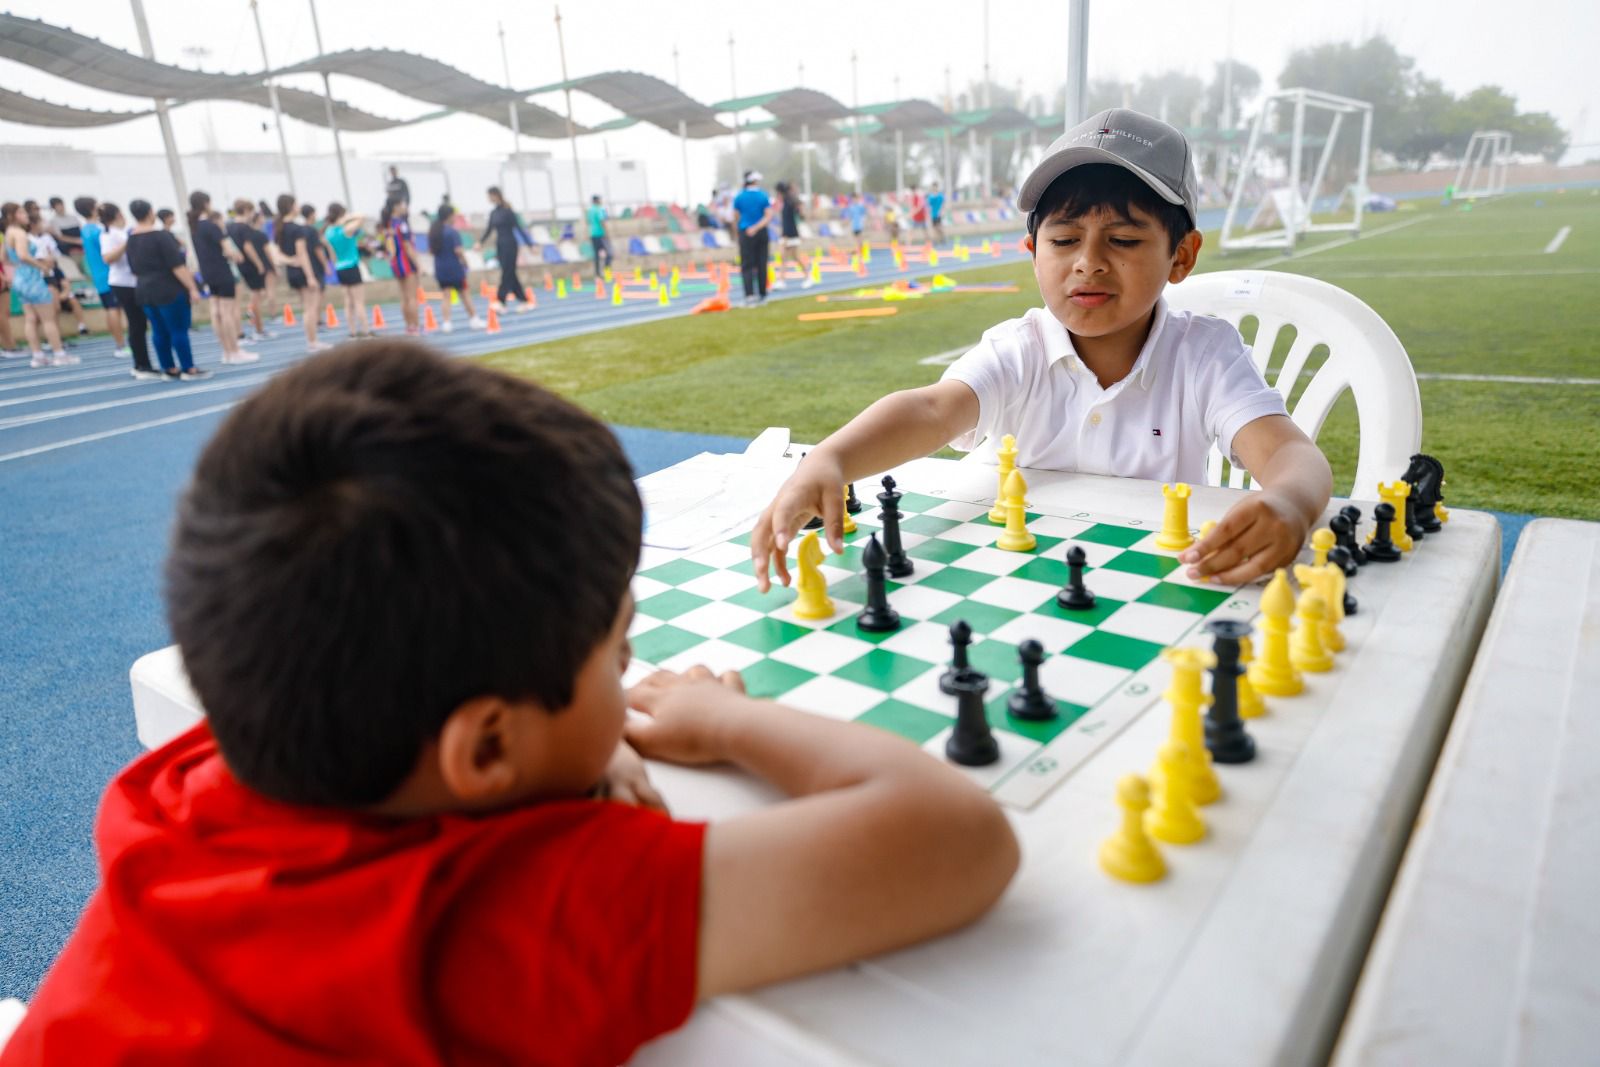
(12, 1012)
(1364, 356)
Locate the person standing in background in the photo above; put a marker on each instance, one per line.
(99, 274)
(936, 213)
(395, 225)
(165, 288)
(450, 267)
(597, 235)
(33, 291)
(789, 242)
(255, 262)
(507, 232)
(396, 190)
(47, 238)
(213, 251)
(342, 233)
(114, 250)
(303, 270)
(754, 208)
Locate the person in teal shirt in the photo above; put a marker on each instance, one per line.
(342, 232)
(597, 235)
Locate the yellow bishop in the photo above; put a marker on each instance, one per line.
(1174, 535)
(1129, 854)
(1016, 537)
(813, 601)
(1273, 673)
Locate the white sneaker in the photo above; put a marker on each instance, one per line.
(39, 360)
(474, 323)
(65, 359)
(523, 309)
(147, 375)
(125, 352)
(263, 335)
(317, 346)
(242, 356)
(807, 284)
(447, 326)
(775, 286)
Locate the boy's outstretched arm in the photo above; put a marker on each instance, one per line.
(902, 426)
(1265, 530)
(881, 847)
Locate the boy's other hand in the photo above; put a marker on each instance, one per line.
(627, 782)
(1257, 536)
(683, 714)
(815, 488)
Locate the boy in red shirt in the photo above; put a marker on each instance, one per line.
(414, 828)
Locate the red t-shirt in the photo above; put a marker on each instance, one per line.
(233, 929)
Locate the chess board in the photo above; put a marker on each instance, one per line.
(1102, 666)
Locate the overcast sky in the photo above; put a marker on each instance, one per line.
(1542, 51)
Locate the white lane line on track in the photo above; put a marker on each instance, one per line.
(119, 431)
(1557, 240)
(162, 391)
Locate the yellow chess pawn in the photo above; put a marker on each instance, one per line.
(1273, 672)
(1395, 493)
(1251, 706)
(1016, 537)
(1186, 696)
(813, 601)
(1174, 535)
(1206, 528)
(1129, 854)
(1322, 539)
(1328, 581)
(1007, 456)
(1306, 652)
(849, 520)
(1174, 818)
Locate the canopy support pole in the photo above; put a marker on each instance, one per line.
(516, 119)
(174, 164)
(572, 129)
(272, 93)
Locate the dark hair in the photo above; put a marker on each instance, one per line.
(166, 215)
(494, 190)
(199, 205)
(8, 213)
(1106, 186)
(440, 221)
(308, 211)
(335, 212)
(242, 208)
(84, 205)
(286, 204)
(378, 535)
(139, 209)
(107, 213)
(56, 200)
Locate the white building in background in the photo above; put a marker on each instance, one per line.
(537, 183)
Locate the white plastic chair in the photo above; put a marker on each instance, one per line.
(1364, 356)
(12, 1012)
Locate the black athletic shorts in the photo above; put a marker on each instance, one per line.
(223, 287)
(252, 278)
(296, 276)
(349, 275)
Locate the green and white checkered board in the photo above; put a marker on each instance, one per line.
(1103, 666)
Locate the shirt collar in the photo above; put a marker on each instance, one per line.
(1058, 346)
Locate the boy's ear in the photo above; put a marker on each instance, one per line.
(475, 750)
(1027, 242)
(1184, 259)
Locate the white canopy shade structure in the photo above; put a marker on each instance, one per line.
(1293, 203)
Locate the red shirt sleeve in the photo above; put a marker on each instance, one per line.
(574, 941)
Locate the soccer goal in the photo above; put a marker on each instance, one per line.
(1273, 173)
(1483, 165)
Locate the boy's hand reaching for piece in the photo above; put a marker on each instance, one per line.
(684, 714)
(815, 488)
(1258, 535)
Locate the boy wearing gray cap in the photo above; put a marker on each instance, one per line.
(1104, 378)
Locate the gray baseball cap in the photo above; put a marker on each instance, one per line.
(1156, 152)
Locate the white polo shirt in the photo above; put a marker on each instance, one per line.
(1193, 384)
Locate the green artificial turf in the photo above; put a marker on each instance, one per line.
(1468, 291)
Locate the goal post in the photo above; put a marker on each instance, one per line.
(1483, 165)
(1290, 199)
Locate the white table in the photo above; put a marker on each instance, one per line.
(1245, 954)
(1489, 950)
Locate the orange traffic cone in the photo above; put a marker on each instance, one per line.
(377, 317)
(493, 323)
(429, 323)
(486, 290)
(331, 318)
(549, 282)
(599, 289)
(288, 314)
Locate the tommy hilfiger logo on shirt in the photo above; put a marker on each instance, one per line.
(1156, 431)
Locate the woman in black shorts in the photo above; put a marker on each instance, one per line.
(214, 252)
(255, 262)
(303, 270)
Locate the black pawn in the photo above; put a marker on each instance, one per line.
(852, 503)
(1076, 596)
(1337, 555)
(877, 617)
(960, 638)
(1414, 528)
(1352, 522)
(814, 523)
(972, 743)
(1382, 549)
(1031, 701)
(899, 563)
(1225, 732)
